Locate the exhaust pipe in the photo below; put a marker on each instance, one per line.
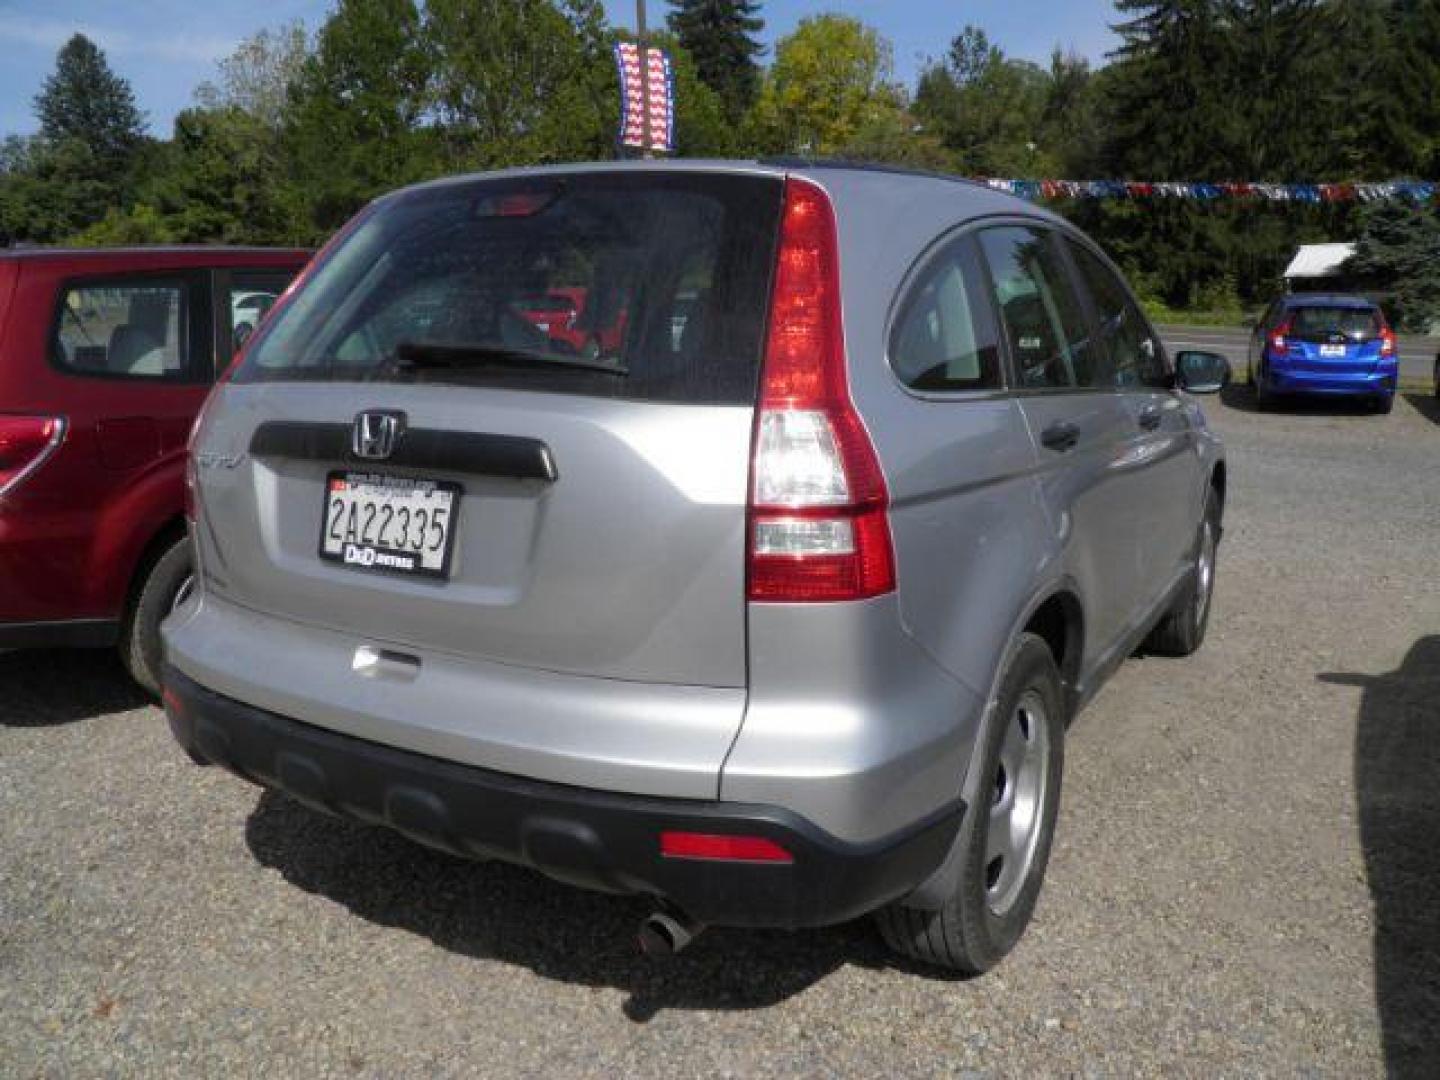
(666, 932)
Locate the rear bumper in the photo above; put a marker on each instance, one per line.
(593, 839)
(1380, 381)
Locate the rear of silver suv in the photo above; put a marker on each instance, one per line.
(684, 531)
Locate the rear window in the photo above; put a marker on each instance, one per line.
(650, 286)
(1319, 323)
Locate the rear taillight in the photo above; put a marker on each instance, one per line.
(1277, 337)
(1387, 342)
(818, 528)
(25, 444)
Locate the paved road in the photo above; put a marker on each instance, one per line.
(1417, 354)
(1246, 880)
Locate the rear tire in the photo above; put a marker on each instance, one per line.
(1385, 403)
(165, 585)
(1182, 630)
(1022, 760)
(1263, 398)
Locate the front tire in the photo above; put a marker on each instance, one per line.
(1005, 838)
(165, 586)
(1182, 630)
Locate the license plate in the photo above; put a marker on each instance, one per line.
(1333, 352)
(393, 523)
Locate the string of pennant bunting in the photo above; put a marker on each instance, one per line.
(1417, 191)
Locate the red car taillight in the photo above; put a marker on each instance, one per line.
(1387, 342)
(25, 443)
(818, 527)
(1277, 337)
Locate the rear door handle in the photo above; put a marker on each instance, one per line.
(1150, 417)
(1060, 436)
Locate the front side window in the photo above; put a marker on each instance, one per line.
(945, 338)
(1135, 356)
(1044, 324)
(641, 286)
(127, 329)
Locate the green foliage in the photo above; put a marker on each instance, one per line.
(295, 133)
(831, 82)
(83, 100)
(1399, 249)
(720, 35)
(481, 53)
(257, 77)
(352, 124)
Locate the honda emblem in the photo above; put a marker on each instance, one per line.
(376, 434)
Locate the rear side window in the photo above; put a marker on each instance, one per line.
(1135, 356)
(247, 297)
(135, 329)
(945, 337)
(650, 286)
(1044, 325)
(1316, 323)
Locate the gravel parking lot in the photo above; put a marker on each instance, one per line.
(1246, 880)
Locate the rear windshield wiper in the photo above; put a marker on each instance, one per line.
(420, 355)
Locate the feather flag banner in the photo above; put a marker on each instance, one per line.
(635, 103)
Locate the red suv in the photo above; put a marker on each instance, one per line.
(105, 358)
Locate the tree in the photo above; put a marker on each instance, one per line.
(1274, 83)
(986, 110)
(258, 75)
(1416, 75)
(1072, 130)
(721, 37)
(353, 120)
(482, 52)
(1399, 248)
(831, 80)
(1167, 91)
(1365, 121)
(85, 101)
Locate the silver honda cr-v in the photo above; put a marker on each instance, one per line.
(742, 535)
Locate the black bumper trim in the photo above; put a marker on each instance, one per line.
(593, 839)
(70, 634)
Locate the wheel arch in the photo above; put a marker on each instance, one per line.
(161, 540)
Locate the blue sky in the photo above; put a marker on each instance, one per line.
(166, 47)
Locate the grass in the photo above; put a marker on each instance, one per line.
(1162, 313)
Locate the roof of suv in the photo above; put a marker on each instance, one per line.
(205, 250)
(173, 257)
(981, 198)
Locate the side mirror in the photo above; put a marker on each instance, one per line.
(1202, 372)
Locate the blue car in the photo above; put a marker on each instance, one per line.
(1312, 343)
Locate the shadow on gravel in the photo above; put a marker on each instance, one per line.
(46, 688)
(1397, 783)
(495, 911)
(1241, 398)
(1427, 405)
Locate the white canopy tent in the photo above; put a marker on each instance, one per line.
(1313, 261)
